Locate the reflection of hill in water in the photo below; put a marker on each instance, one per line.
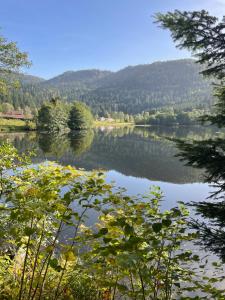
(136, 152)
(136, 156)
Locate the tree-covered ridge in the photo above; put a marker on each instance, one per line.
(85, 78)
(131, 90)
(145, 87)
(27, 93)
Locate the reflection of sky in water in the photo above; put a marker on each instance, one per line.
(172, 192)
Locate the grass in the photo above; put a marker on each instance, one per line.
(15, 125)
(7, 125)
(113, 124)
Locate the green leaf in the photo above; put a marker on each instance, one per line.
(128, 229)
(54, 264)
(103, 231)
(107, 240)
(195, 257)
(122, 287)
(157, 227)
(29, 231)
(166, 222)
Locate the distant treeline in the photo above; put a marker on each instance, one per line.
(170, 117)
(159, 117)
(57, 114)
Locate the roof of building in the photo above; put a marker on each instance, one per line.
(16, 115)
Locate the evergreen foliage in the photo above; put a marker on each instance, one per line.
(80, 116)
(53, 116)
(201, 33)
(204, 36)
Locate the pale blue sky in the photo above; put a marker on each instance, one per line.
(62, 35)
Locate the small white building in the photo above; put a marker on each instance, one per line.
(102, 119)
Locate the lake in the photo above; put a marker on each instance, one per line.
(136, 158)
(133, 157)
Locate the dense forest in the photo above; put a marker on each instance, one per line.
(131, 90)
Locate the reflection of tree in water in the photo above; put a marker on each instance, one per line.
(62, 147)
(139, 152)
(53, 144)
(81, 141)
(21, 140)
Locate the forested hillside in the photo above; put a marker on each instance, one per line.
(158, 85)
(28, 91)
(132, 90)
(84, 78)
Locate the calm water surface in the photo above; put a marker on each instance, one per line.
(135, 158)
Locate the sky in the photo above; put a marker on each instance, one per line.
(62, 35)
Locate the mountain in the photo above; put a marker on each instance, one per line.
(137, 88)
(157, 76)
(76, 79)
(158, 85)
(29, 79)
(132, 90)
(24, 79)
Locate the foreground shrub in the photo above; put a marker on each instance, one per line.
(50, 250)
